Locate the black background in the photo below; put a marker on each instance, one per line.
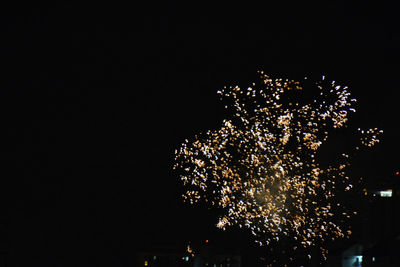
(96, 98)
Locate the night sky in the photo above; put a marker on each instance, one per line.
(96, 98)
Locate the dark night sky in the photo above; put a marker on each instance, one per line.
(94, 100)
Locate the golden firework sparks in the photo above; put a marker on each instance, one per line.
(260, 167)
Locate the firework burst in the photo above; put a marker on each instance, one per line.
(260, 167)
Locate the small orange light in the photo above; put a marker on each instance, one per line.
(397, 173)
(206, 240)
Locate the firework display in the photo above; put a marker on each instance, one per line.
(260, 168)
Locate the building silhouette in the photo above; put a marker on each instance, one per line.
(204, 256)
(379, 241)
